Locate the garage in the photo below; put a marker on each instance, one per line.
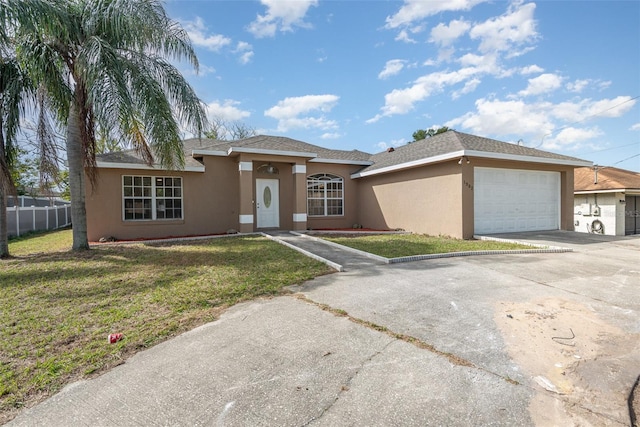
(514, 200)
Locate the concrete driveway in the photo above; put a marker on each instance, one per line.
(534, 339)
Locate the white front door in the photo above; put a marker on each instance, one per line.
(267, 203)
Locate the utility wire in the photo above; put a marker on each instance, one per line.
(607, 149)
(628, 158)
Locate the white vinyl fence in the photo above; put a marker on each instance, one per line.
(36, 214)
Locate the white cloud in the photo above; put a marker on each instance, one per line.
(615, 107)
(512, 117)
(549, 125)
(515, 28)
(635, 126)
(571, 138)
(544, 83)
(391, 68)
(197, 32)
(483, 63)
(604, 85)
(288, 112)
(402, 101)
(531, 69)
(281, 16)
(584, 109)
(203, 70)
(245, 52)
(227, 110)
(403, 36)
(578, 85)
(444, 35)
(416, 10)
(383, 146)
(469, 87)
(330, 135)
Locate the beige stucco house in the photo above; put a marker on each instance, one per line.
(452, 184)
(607, 201)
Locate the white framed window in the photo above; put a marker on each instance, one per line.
(325, 195)
(151, 197)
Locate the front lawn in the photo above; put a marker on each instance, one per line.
(57, 307)
(401, 245)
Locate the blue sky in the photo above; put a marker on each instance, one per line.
(563, 76)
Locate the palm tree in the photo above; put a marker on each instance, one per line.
(15, 89)
(107, 61)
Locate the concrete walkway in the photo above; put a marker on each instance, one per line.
(456, 341)
(340, 258)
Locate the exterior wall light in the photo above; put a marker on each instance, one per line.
(268, 168)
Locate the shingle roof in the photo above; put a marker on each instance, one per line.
(277, 143)
(439, 145)
(609, 178)
(133, 158)
(452, 142)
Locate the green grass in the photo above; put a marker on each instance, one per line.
(57, 307)
(401, 245)
(34, 243)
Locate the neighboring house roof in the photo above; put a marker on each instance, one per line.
(608, 179)
(453, 144)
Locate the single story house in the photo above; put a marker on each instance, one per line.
(453, 184)
(607, 201)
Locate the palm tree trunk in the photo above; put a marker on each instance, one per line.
(4, 238)
(75, 159)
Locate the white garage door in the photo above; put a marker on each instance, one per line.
(512, 200)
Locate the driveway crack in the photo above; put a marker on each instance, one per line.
(452, 358)
(345, 387)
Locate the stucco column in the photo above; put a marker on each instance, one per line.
(245, 220)
(567, 198)
(299, 196)
(468, 212)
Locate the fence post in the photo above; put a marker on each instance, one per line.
(33, 221)
(46, 216)
(17, 220)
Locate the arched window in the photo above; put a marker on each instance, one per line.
(325, 195)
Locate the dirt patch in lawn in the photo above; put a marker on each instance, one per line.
(581, 366)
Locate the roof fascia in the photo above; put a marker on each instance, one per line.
(140, 166)
(471, 153)
(270, 152)
(412, 164)
(342, 162)
(614, 190)
(208, 153)
(529, 159)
